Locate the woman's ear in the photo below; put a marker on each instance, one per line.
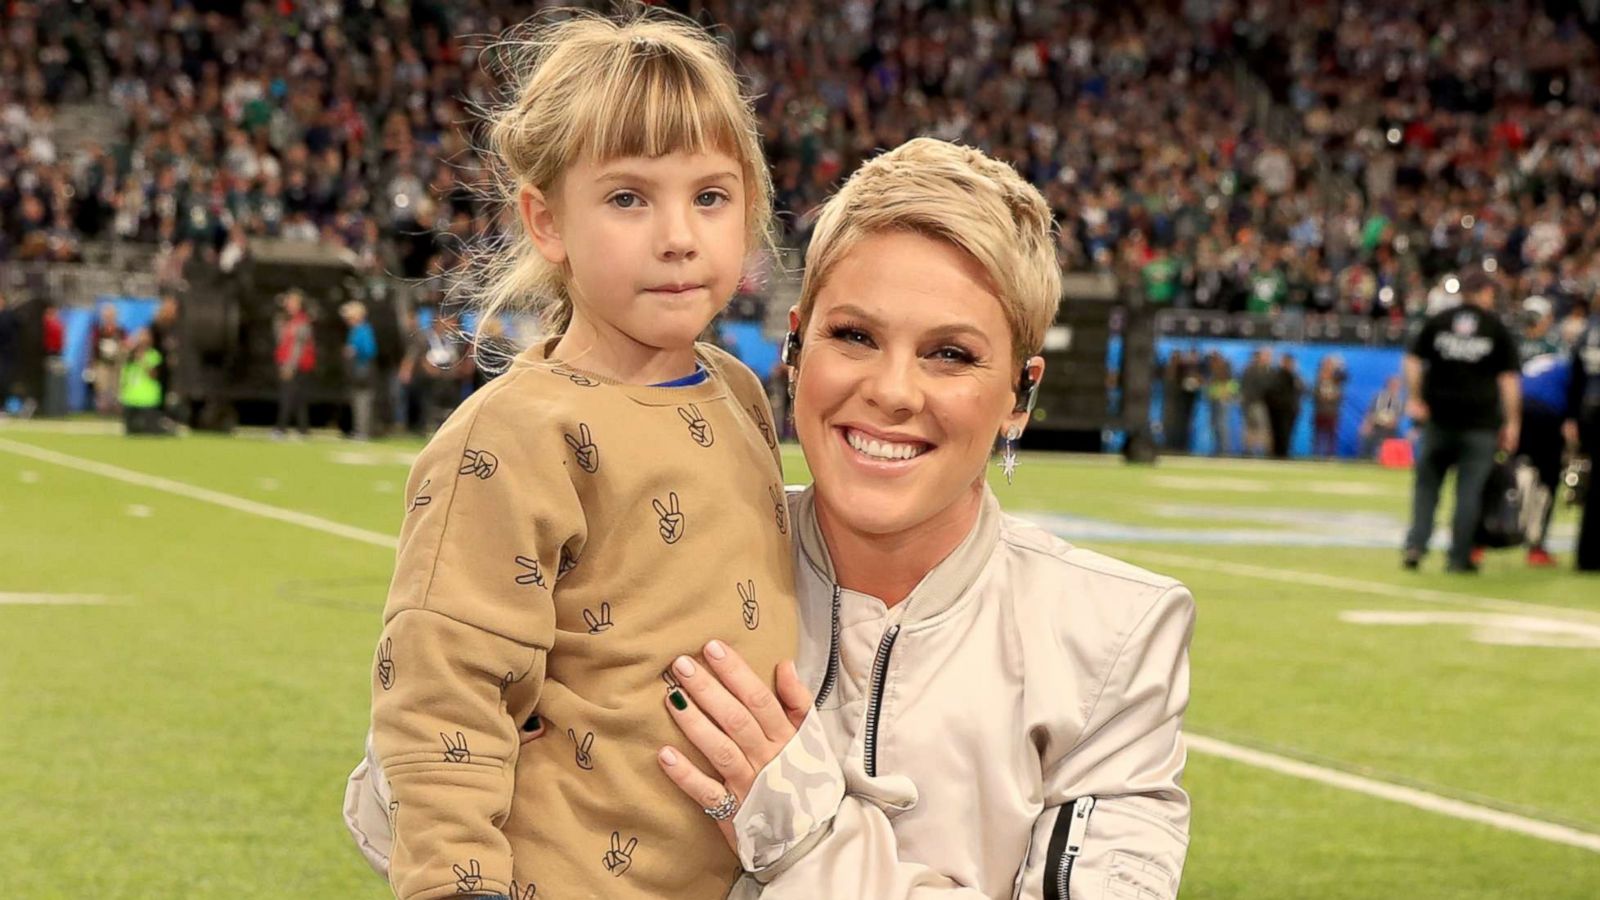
(539, 218)
(1027, 392)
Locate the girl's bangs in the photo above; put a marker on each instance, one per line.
(660, 107)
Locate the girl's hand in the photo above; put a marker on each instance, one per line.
(728, 713)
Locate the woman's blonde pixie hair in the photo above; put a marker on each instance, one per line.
(601, 87)
(956, 194)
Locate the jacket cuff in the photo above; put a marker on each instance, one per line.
(794, 797)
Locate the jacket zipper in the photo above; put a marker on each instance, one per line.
(1066, 843)
(880, 671)
(832, 674)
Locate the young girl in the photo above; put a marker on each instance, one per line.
(612, 501)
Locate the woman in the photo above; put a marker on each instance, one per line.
(995, 712)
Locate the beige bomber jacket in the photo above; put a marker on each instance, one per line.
(1011, 730)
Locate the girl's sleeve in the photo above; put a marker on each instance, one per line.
(468, 622)
(1115, 821)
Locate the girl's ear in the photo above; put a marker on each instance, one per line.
(539, 218)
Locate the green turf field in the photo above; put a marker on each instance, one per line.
(188, 734)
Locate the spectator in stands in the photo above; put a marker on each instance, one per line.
(107, 349)
(1222, 393)
(1465, 395)
(296, 357)
(1382, 422)
(1253, 387)
(361, 367)
(1574, 324)
(1546, 371)
(1326, 405)
(1285, 390)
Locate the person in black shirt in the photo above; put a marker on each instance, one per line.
(1582, 429)
(1465, 395)
(1285, 390)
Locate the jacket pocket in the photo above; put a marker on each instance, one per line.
(1066, 844)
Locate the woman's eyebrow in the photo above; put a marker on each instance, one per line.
(960, 328)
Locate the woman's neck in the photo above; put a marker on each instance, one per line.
(890, 566)
(606, 351)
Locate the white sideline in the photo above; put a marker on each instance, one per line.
(1376, 588)
(204, 495)
(1444, 806)
(1548, 831)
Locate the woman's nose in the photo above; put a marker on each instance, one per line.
(894, 386)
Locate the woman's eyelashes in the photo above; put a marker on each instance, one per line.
(950, 354)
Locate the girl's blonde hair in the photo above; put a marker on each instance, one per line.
(955, 194)
(600, 87)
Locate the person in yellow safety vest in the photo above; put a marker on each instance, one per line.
(141, 390)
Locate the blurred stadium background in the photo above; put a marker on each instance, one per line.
(185, 624)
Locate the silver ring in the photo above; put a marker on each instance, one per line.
(725, 808)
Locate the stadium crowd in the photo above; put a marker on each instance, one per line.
(1408, 150)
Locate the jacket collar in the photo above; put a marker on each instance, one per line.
(942, 586)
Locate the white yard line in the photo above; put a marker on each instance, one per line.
(204, 495)
(1361, 586)
(53, 600)
(1444, 806)
(1435, 803)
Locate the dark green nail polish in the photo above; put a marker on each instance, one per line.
(532, 724)
(679, 702)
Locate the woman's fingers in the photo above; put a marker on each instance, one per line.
(696, 785)
(792, 693)
(751, 691)
(726, 757)
(730, 713)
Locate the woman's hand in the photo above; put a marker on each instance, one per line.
(728, 713)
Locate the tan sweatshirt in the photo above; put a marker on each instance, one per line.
(566, 537)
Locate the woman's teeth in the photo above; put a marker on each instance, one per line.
(882, 449)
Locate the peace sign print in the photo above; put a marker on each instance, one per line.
(456, 751)
(566, 564)
(699, 428)
(764, 424)
(583, 448)
(752, 612)
(585, 761)
(468, 879)
(480, 463)
(421, 499)
(576, 377)
(529, 891)
(780, 508)
(619, 858)
(671, 524)
(599, 623)
(531, 574)
(386, 664)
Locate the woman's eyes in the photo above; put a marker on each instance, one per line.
(949, 353)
